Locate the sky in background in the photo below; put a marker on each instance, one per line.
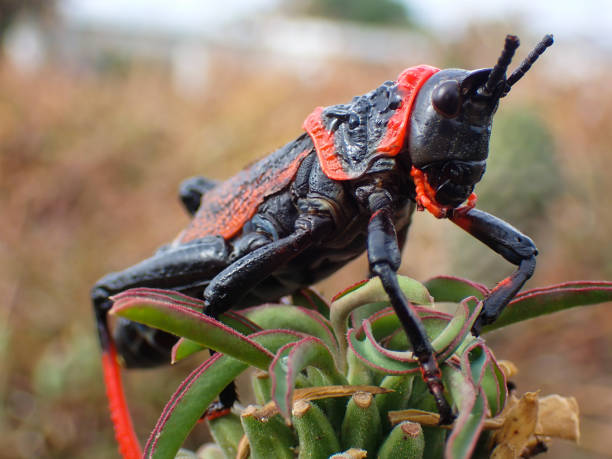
(589, 20)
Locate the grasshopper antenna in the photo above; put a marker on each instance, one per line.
(528, 62)
(499, 71)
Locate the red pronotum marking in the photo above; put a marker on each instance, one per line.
(409, 84)
(129, 447)
(426, 196)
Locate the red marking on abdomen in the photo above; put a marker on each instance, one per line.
(226, 208)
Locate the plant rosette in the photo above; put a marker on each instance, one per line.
(340, 379)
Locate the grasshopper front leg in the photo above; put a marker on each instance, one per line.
(384, 258)
(511, 244)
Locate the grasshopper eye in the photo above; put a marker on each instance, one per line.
(446, 98)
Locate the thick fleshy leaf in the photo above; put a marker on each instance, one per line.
(161, 295)
(288, 317)
(493, 384)
(454, 335)
(454, 289)
(370, 292)
(446, 332)
(537, 302)
(189, 402)
(370, 355)
(315, 432)
(198, 390)
(406, 440)
(396, 400)
(310, 299)
(268, 435)
(361, 427)
(239, 322)
(227, 432)
(232, 319)
(183, 348)
(289, 363)
(184, 321)
(465, 388)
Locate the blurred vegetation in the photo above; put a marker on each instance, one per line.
(11, 9)
(388, 12)
(90, 164)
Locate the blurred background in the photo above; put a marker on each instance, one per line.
(105, 106)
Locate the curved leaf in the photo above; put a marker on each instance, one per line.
(182, 320)
(288, 317)
(309, 298)
(370, 292)
(289, 362)
(452, 337)
(370, 355)
(198, 390)
(183, 348)
(454, 289)
(189, 402)
(541, 301)
(464, 386)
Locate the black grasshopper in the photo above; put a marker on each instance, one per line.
(349, 183)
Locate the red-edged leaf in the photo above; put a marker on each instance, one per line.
(454, 289)
(177, 318)
(367, 352)
(541, 301)
(468, 395)
(309, 298)
(198, 390)
(289, 363)
(183, 348)
(453, 336)
(282, 316)
(163, 295)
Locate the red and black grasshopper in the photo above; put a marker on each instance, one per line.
(349, 183)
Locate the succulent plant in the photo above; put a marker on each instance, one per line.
(339, 380)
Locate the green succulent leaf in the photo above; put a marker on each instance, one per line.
(179, 319)
(370, 354)
(449, 289)
(269, 436)
(288, 364)
(465, 386)
(310, 299)
(189, 402)
(184, 348)
(541, 301)
(227, 432)
(361, 426)
(198, 390)
(289, 317)
(316, 434)
(370, 292)
(406, 440)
